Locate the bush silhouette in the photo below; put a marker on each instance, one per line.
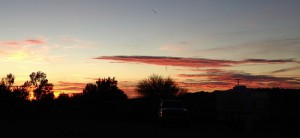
(158, 87)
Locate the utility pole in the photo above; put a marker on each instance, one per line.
(238, 81)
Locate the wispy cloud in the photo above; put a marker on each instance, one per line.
(170, 61)
(223, 79)
(129, 88)
(19, 43)
(286, 69)
(205, 86)
(69, 86)
(34, 41)
(216, 77)
(14, 44)
(190, 62)
(29, 50)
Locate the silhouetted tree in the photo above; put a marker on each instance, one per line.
(63, 96)
(158, 87)
(10, 79)
(90, 89)
(6, 95)
(107, 84)
(8, 92)
(106, 88)
(47, 92)
(43, 89)
(6, 83)
(21, 93)
(27, 84)
(3, 87)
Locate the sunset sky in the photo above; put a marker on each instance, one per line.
(204, 45)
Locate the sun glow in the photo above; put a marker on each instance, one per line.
(31, 95)
(19, 55)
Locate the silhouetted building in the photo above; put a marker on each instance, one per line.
(239, 88)
(242, 105)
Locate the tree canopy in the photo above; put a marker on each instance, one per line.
(43, 89)
(159, 87)
(105, 88)
(7, 82)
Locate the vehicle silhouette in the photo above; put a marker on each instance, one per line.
(173, 112)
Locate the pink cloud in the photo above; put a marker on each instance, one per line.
(190, 62)
(129, 88)
(25, 50)
(130, 91)
(18, 44)
(11, 44)
(69, 86)
(221, 79)
(212, 79)
(170, 61)
(34, 41)
(205, 86)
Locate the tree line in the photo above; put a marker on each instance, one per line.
(155, 86)
(105, 100)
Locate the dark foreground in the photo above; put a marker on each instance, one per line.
(98, 128)
(92, 117)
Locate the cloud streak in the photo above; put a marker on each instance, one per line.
(221, 79)
(16, 43)
(69, 86)
(286, 70)
(190, 62)
(216, 77)
(34, 41)
(35, 51)
(10, 43)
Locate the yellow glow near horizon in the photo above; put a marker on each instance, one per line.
(19, 55)
(31, 95)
